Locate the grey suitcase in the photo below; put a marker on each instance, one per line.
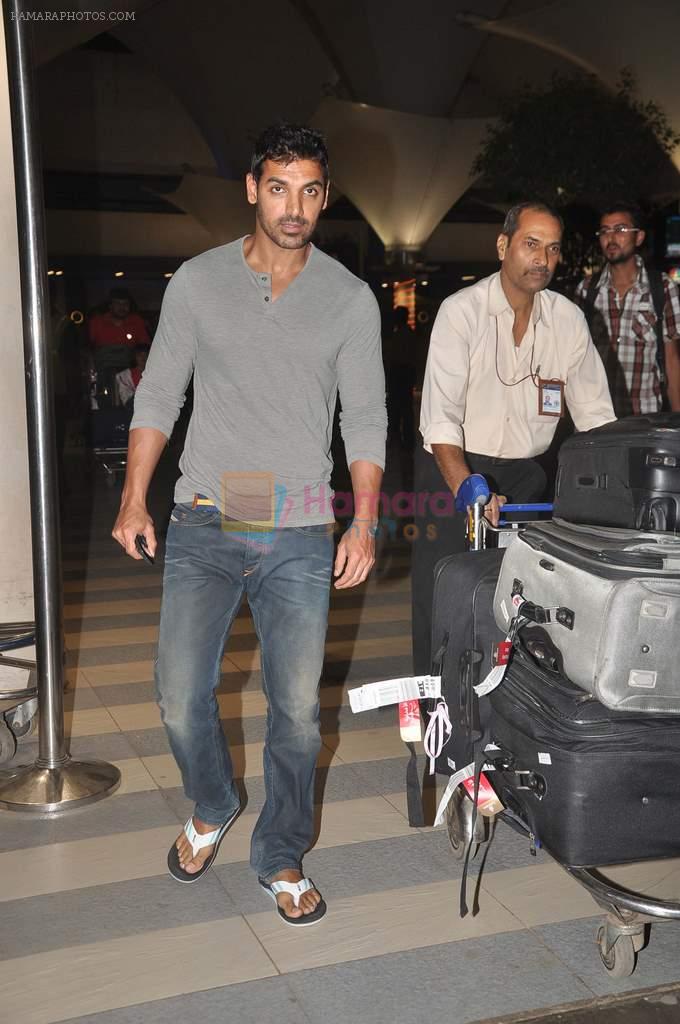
(610, 600)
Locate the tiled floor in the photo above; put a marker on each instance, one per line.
(93, 930)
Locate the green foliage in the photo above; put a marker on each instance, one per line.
(576, 141)
(578, 145)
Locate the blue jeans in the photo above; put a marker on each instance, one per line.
(286, 575)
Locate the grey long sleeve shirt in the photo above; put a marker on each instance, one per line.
(266, 377)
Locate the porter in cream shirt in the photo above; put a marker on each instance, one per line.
(481, 390)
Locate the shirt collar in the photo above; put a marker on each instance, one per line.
(498, 301)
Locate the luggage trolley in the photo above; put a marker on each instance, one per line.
(109, 434)
(623, 934)
(18, 687)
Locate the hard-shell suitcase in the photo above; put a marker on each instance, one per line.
(625, 473)
(463, 635)
(593, 786)
(610, 601)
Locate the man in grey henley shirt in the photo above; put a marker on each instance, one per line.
(271, 330)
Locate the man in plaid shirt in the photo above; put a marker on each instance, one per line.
(620, 308)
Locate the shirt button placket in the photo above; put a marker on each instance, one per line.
(266, 285)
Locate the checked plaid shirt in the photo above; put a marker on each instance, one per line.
(624, 332)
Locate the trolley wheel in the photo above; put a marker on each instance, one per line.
(19, 728)
(459, 826)
(619, 961)
(8, 743)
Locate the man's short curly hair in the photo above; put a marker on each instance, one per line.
(287, 142)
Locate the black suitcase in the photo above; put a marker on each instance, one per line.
(593, 786)
(625, 473)
(463, 635)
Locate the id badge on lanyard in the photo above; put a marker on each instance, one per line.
(551, 397)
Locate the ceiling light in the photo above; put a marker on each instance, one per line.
(384, 285)
(49, 273)
(168, 274)
(119, 273)
(424, 283)
(468, 277)
(58, 273)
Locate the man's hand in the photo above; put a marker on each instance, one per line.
(356, 555)
(492, 509)
(133, 519)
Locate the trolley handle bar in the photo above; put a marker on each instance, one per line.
(541, 506)
(536, 507)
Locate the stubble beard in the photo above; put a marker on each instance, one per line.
(274, 232)
(620, 257)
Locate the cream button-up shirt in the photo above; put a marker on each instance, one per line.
(481, 390)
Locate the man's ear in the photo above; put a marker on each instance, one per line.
(501, 246)
(641, 235)
(251, 189)
(325, 198)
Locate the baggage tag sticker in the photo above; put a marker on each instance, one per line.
(409, 721)
(487, 801)
(550, 397)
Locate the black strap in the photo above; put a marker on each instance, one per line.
(658, 293)
(414, 796)
(590, 296)
(479, 760)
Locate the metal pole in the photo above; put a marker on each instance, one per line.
(54, 782)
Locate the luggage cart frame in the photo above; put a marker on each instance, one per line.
(623, 934)
(18, 704)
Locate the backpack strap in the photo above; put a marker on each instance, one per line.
(588, 300)
(657, 291)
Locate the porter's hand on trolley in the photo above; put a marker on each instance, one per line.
(133, 521)
(492, 509)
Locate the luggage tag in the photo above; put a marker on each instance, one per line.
(487, 800)
(467, 772)
(410, 721)
(501, 653)
(551, 397)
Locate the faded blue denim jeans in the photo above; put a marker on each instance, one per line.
(286, 575)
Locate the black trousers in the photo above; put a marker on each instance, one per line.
(436, 536)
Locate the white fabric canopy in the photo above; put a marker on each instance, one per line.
(403, 171)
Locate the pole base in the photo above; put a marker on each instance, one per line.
(54, 790)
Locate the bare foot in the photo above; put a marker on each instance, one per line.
(308, 901)
(187, 861)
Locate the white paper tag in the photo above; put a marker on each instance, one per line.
(394, 691)
(544, 758)
(491, 681)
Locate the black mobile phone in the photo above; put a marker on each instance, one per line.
(140, 544)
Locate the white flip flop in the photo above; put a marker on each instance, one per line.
(294, 889)
(198, 842)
